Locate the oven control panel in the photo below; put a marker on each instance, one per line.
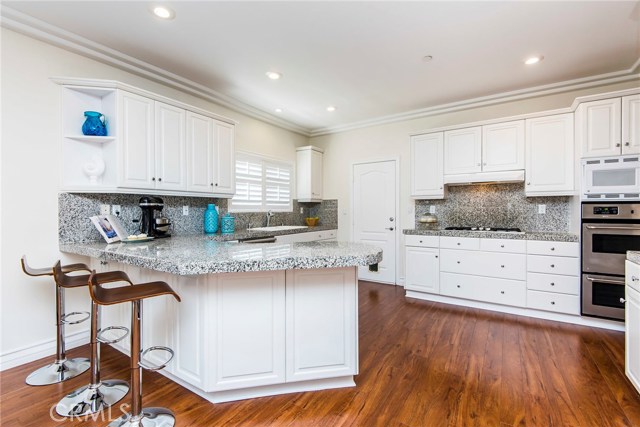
(612, 211)
(605, 210)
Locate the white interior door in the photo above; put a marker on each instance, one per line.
(374, 215)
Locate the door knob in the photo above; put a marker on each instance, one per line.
(622, 300)
(391, 218)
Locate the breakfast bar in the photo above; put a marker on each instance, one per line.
(256, 319)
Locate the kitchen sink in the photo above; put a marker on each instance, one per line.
(279, 228)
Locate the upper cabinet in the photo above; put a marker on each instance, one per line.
(427, 166)
(609, 127)
(309, 174)
(490, 148)
(152, 146)
(550, 156)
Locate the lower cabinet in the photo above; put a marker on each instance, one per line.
(423, 269)
(632, 323)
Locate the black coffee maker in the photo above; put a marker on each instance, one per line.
(151, 224)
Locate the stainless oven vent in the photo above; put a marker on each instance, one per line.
(631, 159)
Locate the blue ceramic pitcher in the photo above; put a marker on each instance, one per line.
(94, 124)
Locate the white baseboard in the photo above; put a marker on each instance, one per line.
(42, 349)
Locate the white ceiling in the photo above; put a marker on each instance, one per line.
(363, 57)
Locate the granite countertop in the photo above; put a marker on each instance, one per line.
(535, 235)
(199, 254)
(634, 256)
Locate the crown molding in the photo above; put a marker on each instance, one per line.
(35, 28)
(40, 30)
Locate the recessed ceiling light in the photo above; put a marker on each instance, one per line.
(533, 60)
(273, 75)
(278, 110)
(427, 58)
(164, 12)
(331, 108)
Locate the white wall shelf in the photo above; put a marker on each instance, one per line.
(91, 138)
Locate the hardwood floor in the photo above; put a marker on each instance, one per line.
(421, 364)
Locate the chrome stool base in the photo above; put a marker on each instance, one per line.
(91, 399)
(151, 417)
(57, 372)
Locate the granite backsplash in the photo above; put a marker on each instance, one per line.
(497, 205)
(74, 210)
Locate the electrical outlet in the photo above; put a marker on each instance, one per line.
(542, 209)
(116, 210)
(104, 209)
(185, 210)
(301, 210)
(432, 209)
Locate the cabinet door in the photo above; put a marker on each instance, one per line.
(599, 127)
(322, 323)
(427, 166)
(171, 159)
(199, 153)
(503, 146)
(632, 337)
(422, 269)
(137, 166)
(248, 331)
(631, 124)
(224, 164)
(549, 160)
(463, 151)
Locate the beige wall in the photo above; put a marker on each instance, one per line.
(30, 185)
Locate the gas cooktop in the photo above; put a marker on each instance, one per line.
(493, 229)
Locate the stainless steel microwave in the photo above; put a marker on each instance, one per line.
(611, 178)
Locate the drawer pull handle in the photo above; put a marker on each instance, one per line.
(502, 292)
(553, 284)
(553, 303)
(622, 300)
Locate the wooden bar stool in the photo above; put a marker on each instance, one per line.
(135, 294)
(62, 368)
(97, 395)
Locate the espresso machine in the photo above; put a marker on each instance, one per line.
(152, 223)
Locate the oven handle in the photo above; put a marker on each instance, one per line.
(613, 282)
(610, 227)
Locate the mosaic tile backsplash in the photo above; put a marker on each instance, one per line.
(74, 210)
(497, 205)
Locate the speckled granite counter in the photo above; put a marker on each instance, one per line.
(189, 255)
(633, 256)
(548, 236)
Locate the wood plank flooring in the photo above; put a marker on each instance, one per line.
(422, 364)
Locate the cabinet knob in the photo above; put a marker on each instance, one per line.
(441, 188)
(153, 178)
(528, 183)
(420, 241)
(502, 266)
(458, 262)
(634, 278)
(622, 300)
(458, 243)
(553, 249)
(553, 266)
(502, 246)
(553, 284)
(159, 179)
(502, 292)
(103, 263)
(436, 256)
(553, 303)
(389, 228)
(212, 184)
(458, 286)
(618, 144)
(626, 144)
(391, 218)
(216, 184)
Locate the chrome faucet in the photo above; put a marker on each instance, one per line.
(269, 215)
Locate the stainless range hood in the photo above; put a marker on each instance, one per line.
(485, 178)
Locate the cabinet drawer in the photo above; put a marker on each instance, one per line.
(424, 241)
(326, 235)
(553, 265)
(550, 301)
(497, 291)
(539, 247)
(554, 283)
(447, 242)
(490, 264)
(503, 245)
(632, 275)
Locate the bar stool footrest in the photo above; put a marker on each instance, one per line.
(64, 317)
(150, 366)
(100, 335)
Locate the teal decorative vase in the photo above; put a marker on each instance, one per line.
(228, 224)
(95, 124)
(211, 219)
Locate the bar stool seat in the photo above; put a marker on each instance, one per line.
(62, 368)
(138, 417)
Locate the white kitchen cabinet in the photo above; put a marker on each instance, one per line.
(170, 148)
(136, 141)
(631, 124)
(321, 345)
(307, 236)
(249, 332)
(210, 156)
(599, 127)
(549, 163)
(463, 151)
(632, 323)
(503, 146)
(427, 166)
(309, 174)
(422, 272)
(486, 289)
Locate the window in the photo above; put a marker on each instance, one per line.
(261, 185)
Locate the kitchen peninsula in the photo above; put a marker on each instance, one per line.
(255, 319)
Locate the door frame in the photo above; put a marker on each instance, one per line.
(396, 229)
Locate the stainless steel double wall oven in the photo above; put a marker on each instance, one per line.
(609, 230)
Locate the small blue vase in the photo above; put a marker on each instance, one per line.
(95, 124)
(211, 219)
(228, 224)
